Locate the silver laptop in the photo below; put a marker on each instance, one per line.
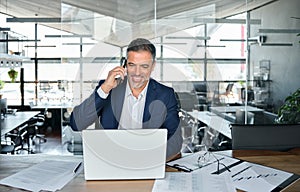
(124, 154)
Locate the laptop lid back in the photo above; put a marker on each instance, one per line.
(124, 154)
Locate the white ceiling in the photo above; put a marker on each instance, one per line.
(118, 21)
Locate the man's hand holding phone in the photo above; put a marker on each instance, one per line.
(114, 77)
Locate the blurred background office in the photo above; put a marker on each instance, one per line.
(213, 53)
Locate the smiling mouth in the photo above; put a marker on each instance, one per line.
(137, 78)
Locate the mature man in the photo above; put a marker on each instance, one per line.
(130, 99)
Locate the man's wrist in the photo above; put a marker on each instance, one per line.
(102, 93)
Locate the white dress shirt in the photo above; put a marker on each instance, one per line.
(133, 108)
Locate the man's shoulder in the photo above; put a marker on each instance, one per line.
(160, 85)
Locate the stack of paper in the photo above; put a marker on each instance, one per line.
(253, 177)
(45, 176)
(194, 182)
(243, 175)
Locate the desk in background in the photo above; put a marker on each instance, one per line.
(213, 121)
(232, 109)
(10, 122)
(10, 164)
(259, 116)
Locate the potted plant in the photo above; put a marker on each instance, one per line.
(289, 112)
(1, 87)
(13, 74)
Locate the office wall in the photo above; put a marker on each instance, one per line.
(285, 61)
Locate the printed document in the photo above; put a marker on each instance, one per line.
(244, 175)
(199, 181)
(48, 175)
(253, 177)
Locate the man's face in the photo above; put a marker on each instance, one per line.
(139, 68)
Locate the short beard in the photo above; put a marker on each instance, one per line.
(137, 85)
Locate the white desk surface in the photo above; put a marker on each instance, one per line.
(12, 121)
(232, 109)
(51, 106)
(213, 120)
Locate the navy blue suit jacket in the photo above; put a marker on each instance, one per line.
(161, 110)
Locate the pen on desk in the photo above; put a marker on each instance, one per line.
(77, 167)
(241, 171)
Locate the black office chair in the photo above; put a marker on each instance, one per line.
(34, 134)
(187, 101)
(25, 136)
(34, 128)
(15, 141)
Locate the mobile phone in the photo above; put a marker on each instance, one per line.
(123, 63)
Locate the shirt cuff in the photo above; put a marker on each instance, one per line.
(101, 93)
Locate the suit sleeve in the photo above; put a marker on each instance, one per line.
(86, 113)
(172, 118)
(172, 123)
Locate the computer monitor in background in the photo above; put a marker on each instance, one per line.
(229, 88)
(3, 107)
(225, 88)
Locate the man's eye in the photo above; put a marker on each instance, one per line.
(145, 66)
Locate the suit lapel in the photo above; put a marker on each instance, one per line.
(150, 97)
(117, 100)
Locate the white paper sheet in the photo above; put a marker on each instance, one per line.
(194, 182)
(47, 175)
(244, 175)
(253, 177)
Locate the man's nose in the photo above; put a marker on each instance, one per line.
(137, 70)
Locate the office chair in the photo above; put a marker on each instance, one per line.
(27, 134)
(16, 141)
(192, 132)
(187, 101)
(34, 125)
(279, 137)
(73, 140)
(33, 131)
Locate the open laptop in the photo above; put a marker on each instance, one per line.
(124, 154)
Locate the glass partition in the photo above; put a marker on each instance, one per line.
(214, 54)
(187, 53)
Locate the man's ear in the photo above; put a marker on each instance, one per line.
(153, 65)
